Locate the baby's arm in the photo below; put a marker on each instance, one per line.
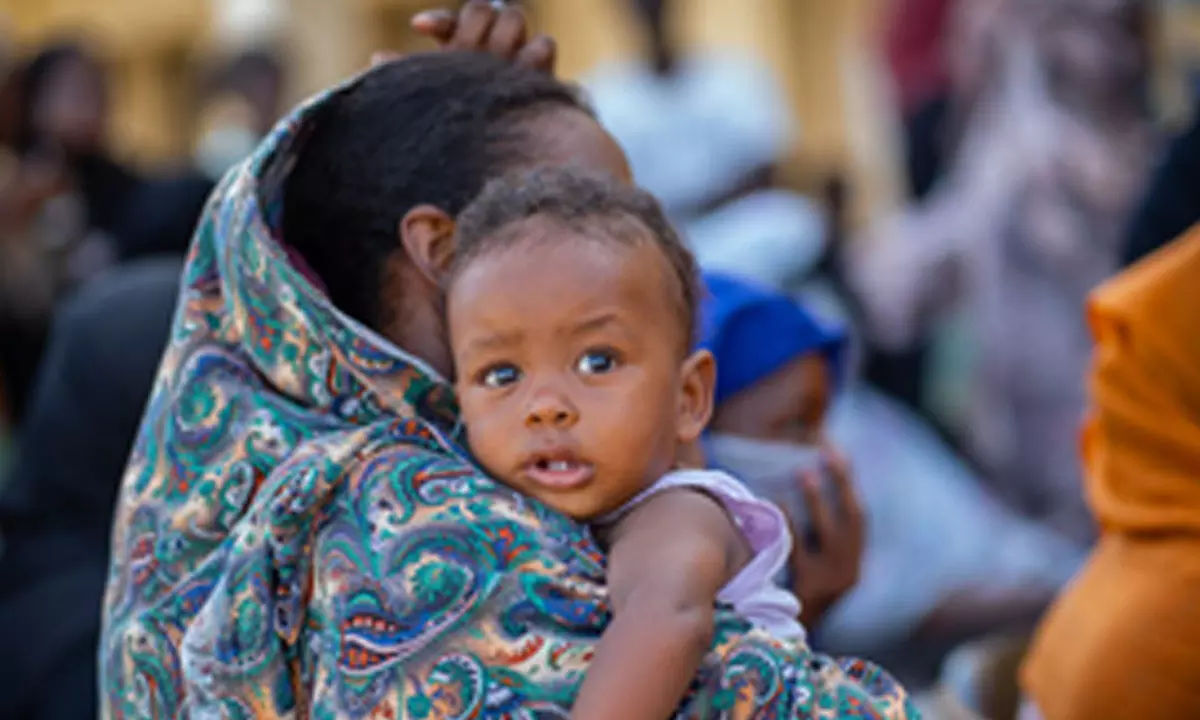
(667, 560)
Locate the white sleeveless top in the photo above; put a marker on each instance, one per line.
(752, 592)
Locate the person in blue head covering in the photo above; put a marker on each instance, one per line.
(783, 382)
(777, 363)
(778, 366)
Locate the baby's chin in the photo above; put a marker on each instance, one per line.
(582, 507)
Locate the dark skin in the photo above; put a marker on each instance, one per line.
(481, 27)
(790, 406)
(547, 375)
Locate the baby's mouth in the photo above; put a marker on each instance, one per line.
(559, 473)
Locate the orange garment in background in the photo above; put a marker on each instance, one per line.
(1123, 640)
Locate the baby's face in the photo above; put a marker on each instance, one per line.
(567, 353)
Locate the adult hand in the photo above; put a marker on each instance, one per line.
(484, 27)
(821, 575)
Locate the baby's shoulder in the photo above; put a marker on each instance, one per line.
(705, 502)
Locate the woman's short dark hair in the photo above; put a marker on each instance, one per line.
(427, 129)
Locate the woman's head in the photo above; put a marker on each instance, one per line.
(65, 103)
(392, 160)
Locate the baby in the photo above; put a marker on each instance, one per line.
(571, 311)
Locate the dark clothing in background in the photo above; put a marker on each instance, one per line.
(20, 354)
(164, 215)
(109, 193)
(926, 145)
(56, 508)
(1172, 202)
(901, 373)
(143, 218)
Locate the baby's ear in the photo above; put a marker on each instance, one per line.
(698, 383)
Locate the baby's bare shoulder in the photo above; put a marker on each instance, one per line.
(688, 516)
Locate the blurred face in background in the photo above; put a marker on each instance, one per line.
(790, 405)
(70, 106)
(1096, 49)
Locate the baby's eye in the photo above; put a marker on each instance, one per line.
(499, 376)
(597, 362)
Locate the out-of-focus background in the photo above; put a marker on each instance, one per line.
(829, 61)
(949, 178)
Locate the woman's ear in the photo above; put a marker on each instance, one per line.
(698, 383)
(427, 234)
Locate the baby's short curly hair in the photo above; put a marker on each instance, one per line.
(594, 206)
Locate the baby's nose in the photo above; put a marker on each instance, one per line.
(551, 409)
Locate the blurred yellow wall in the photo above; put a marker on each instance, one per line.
(818, 49)
(148, 45)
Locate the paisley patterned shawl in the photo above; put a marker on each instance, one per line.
(300, 535)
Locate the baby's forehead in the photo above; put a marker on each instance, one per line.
(554, 267)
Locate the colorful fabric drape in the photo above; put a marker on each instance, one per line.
(299, 533)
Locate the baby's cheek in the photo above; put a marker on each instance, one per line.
(642, 443)
(486, 435)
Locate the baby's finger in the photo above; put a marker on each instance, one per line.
(436, 24)
(474, 23)
(509, 33)
(540, 53)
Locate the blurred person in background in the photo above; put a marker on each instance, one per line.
(110, 213)
(237, 107)
(705, 132)
(778, 370)
(939, 54)
(1123, 640)
(73, 210)
(941, 561)
(915, 49)
(64, 123)
(1029, 219)
(67, 203)
(56, 504)
(241, 105)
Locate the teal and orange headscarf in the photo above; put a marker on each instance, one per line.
(299, 534)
